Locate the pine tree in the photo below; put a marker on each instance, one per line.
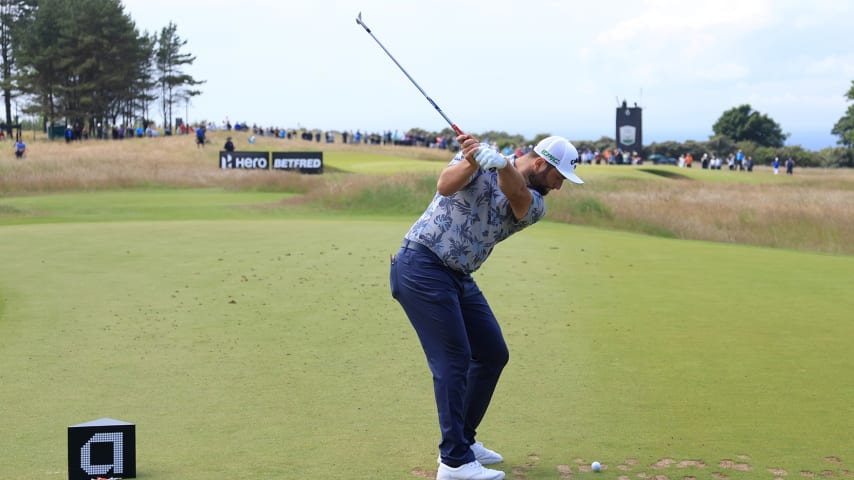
(82, 60)
(174, 84)
(14, 15)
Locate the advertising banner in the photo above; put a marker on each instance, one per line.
(303, 162)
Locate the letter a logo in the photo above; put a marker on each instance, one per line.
(117, 439)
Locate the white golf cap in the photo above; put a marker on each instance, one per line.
(560, 153)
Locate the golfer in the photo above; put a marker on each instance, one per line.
(482, 198)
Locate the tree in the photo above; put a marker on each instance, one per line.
(833, 157)
(14, 15)
(844, 128)
(38, 57)
(145, 83)
(669, 149)
(744, 124)
(103, 61)
(79, 59)
(502, 139)
(173, 82)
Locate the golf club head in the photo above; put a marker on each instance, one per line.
(360, 22)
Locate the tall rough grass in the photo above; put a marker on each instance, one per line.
(170, 161)
(98, 165)
(812, 215)
(813, 211)
(404, 193)
(816, 214)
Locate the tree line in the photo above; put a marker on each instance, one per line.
(84, 62)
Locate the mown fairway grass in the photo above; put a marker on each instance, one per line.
(269, 348)
(111, 206)
(250, 334)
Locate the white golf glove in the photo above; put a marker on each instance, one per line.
(489, 158)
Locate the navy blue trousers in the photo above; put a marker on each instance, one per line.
(461, 338)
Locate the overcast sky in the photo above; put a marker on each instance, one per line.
(524, 67)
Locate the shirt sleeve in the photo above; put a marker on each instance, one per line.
(459, 158)
(535, 213)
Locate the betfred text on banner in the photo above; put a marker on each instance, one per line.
(304, 162)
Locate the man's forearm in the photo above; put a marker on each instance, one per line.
(455, 177)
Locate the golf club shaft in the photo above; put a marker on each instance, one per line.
(452, 124)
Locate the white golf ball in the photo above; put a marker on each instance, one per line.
(596, 466)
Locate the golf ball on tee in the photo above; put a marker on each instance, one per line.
(596, 466)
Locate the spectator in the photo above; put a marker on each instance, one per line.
(229, 145)
(20, 148)
(200, 136)
(790, 166)
(776, 165)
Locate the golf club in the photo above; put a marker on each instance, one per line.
(456, 128)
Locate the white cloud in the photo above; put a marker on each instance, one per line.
(673, 23)
(831, 65)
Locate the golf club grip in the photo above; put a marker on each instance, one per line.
(457, 129)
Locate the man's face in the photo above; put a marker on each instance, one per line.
(545, 178)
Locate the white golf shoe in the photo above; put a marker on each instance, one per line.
(469, 471)
(484, 455)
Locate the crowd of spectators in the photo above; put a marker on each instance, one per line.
(78, 132)
(736, 161)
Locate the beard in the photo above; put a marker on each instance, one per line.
(538, 183)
